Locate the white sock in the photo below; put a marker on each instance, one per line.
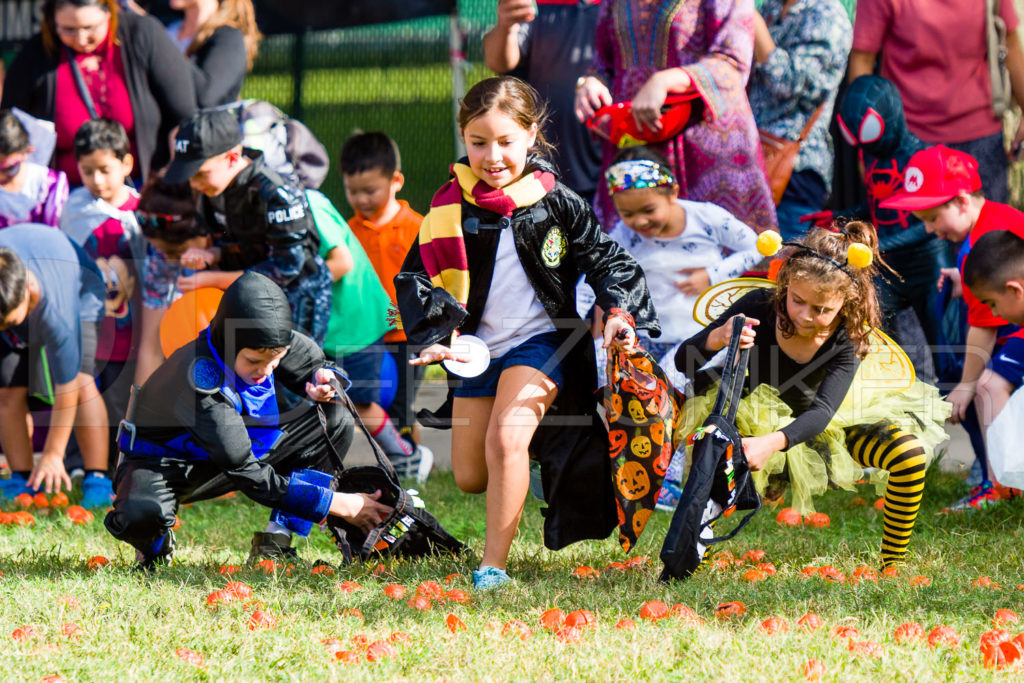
(275, 528)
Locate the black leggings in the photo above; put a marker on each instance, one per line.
(149, 490)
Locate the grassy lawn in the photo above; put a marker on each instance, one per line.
(132, 625)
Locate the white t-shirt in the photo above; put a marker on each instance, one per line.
(709, 230)
(512, 313)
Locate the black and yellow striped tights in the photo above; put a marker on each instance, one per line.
(901, 454)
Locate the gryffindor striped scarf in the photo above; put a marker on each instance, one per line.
(442, 247)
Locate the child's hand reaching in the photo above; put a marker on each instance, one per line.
(758, 449)
(719, 338)
(197, 259)
(436, 353)
(695, 281)
(953, 275)
(361, 509)
(618, 332)
(320, 389)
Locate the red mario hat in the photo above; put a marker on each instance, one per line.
(934, 176)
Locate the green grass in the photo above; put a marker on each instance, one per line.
(134, 623)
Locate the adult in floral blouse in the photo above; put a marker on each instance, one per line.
(800, 51)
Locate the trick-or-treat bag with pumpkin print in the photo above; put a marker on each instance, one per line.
(642, 407)
(719, 482)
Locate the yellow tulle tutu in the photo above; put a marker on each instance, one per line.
(810, 468)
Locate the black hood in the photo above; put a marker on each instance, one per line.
(876, 97)
(254, 314)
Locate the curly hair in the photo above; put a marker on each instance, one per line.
(859, 311)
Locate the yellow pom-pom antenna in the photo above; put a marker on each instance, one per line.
(768, 243)
(859, 255)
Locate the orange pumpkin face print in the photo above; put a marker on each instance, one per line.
(661, 464)
(640, 446)
(633, 481)
(636, 411)
(658, 432)
(640, 518)
(616, 442)
(614, 407)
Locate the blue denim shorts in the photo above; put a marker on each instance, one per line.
(540, 352)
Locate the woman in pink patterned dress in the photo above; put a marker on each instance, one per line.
(646, 49)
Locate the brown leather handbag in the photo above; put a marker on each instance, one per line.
(780, 156)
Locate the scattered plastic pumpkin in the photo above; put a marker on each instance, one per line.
(552, 619)
(653, 610)
(451, 578)
(229, 569)
(880, 504)
(1005, 616)
(221, 597)
(681, 611)
(984, 582)
(360, 640)
(585, 572)
(351, 587)
(267, 566)
(919, 581)
(817, 520)
(454, 623)
(238, 589)
(754, 575)
(400, 638)
(25, 633)
(843, 631)
(943, 635)
(813, 669)
(517, 627)
(865, 573)
(767, 567)
(419, 603)
(24, 501)
(625, 625)
(323, 569)
(189, 656)
(78, 514)
(730, 610)
(568, 634)
(261, 620)
(53, 678)
(379, 650)
(865, 648)
(789, 517)
(891, 572)
(810, 622)
(773, 625)
(430, 589)
(908, 631)
(458, 596)
(395, 591)
(858, 502)
(40, 501)
(753, 556)
(96, 561)
(831, 574)
(348, 656)
(580, 618)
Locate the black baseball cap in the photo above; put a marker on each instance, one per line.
(205, 134)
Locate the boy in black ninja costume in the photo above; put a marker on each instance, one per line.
(207, 422)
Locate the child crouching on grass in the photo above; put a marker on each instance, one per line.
(806, 421)
(207, 422)
(498, 256)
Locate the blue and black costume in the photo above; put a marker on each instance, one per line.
(197, 431)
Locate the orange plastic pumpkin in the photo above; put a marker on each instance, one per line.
(729, 610)
(865, 648)
(773, 625)
(187, 317)
(552, 619)
(813, 669)
(580, 618)
(653, 610)
(789, 517)
(810, 622)
(1005, 616)
(943, 635)
(908, 631)
(817, 520)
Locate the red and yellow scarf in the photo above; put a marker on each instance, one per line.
(442, 246)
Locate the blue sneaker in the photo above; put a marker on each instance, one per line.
(15, 485)
(489, 578)
(97, 491)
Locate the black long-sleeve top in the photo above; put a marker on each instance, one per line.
(219, 67)
(813, 390)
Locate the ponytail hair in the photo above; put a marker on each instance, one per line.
(824, 259)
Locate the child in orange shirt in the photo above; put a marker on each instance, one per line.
(386, 227)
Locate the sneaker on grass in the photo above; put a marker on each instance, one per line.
(97, 491)
(13, 486)
(489, 578)
(414, 466)
(981, 496)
